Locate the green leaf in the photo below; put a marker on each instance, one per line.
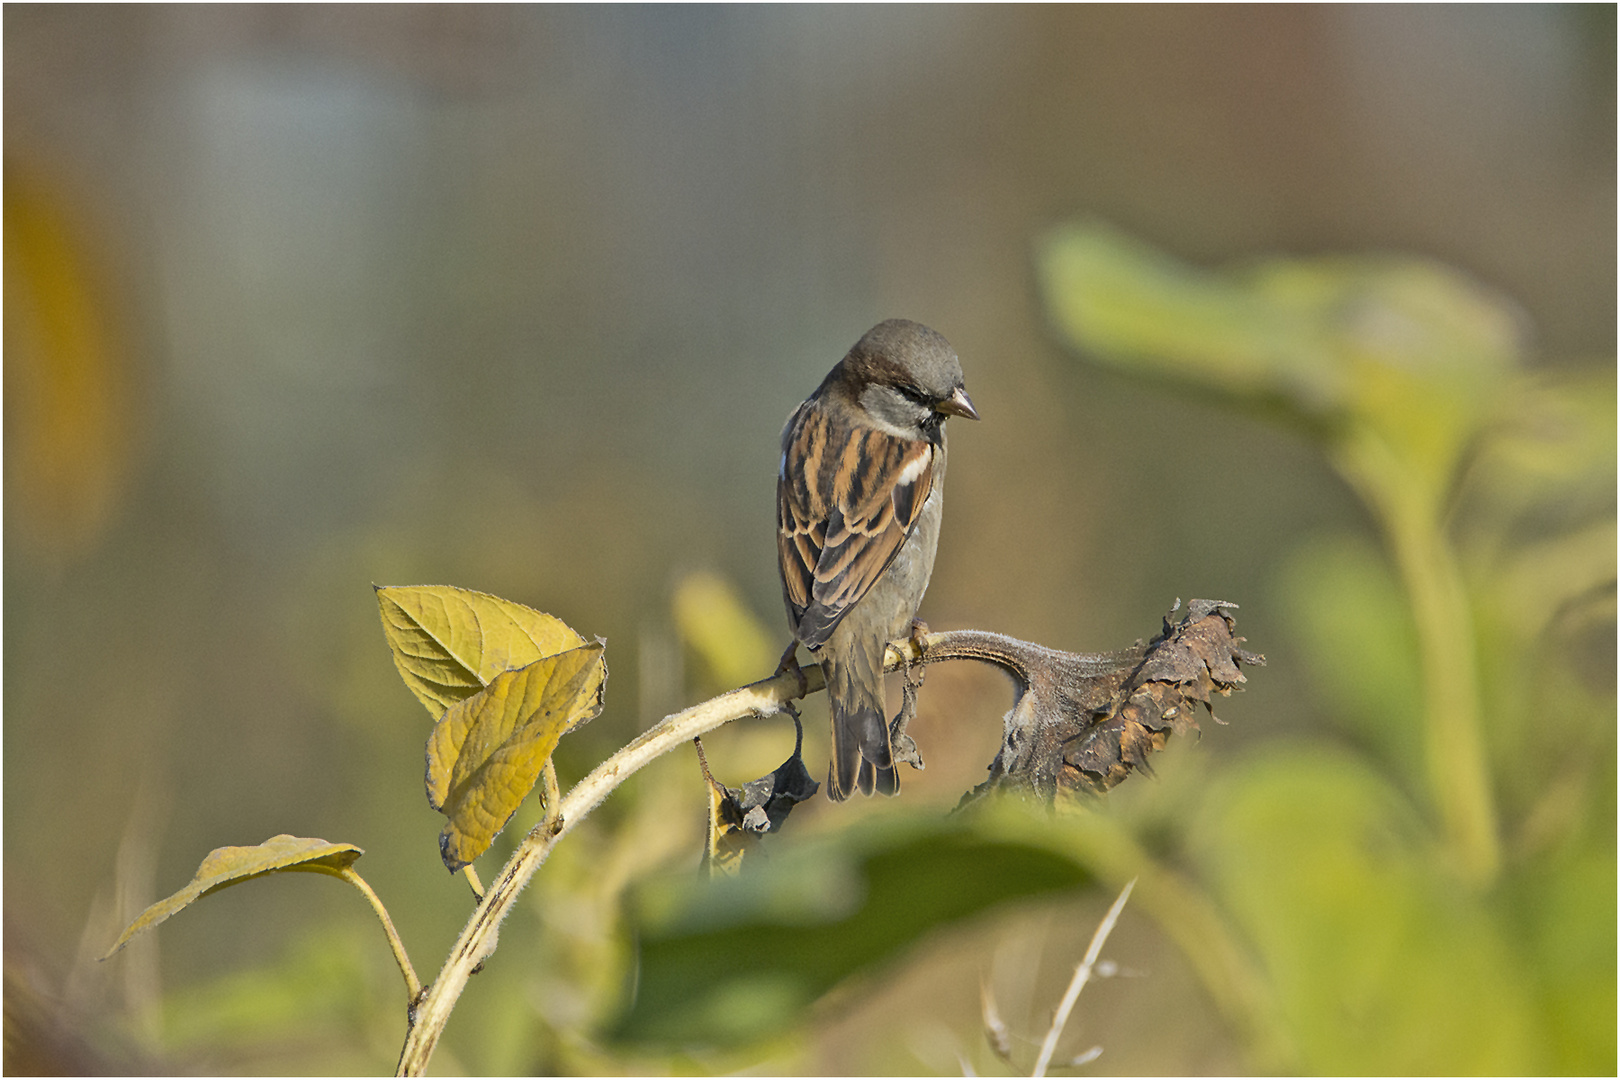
(487, 751)
(1548, 461)
(448, 643)
(1299, 328)
(232, 865)
(1383, 963)
(1352, 623)
(731, 960)
(1416, 354)
(1125, 304)
(1568, 903)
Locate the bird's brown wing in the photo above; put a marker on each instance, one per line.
(844, 505)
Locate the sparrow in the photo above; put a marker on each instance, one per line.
(859, 492)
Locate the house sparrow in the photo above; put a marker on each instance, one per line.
(858, 498)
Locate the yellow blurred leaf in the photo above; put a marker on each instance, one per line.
(232, 865)
(721, 629)
(487, 751)
(448, 643)
(67, 403)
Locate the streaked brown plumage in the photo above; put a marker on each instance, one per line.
(859, 494)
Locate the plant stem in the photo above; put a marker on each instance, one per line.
(549, 790)
(478, 938)
(1454, 745)
(471, 874)
(413, 985)
(1082, 975)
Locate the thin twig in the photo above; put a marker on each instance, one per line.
(413, 985)
(1081, 975)
(995, 1028)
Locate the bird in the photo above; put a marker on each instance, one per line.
(859, 492)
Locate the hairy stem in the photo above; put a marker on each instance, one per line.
(478, 938)
(413, 985)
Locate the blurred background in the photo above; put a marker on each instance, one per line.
(301, 299)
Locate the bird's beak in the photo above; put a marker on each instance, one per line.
(958, 405)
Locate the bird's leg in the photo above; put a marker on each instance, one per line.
(904, 747)
(798, 726)
(919, 630)
(790, 662)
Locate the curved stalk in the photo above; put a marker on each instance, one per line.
(1453, 742)
(413, 985)
(478, 938)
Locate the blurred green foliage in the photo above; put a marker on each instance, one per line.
(738, 959)
(1442, 899)
(327, 995)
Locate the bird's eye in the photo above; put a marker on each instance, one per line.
(915, 396)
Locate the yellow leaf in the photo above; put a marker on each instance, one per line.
(448, 643)
(68, 406)
(231, 865)
(487, 751)
(720, 628)
(727, 840)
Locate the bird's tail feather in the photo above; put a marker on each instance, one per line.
(870, 778)
(861, 756)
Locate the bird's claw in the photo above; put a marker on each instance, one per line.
(790, 662)
(902, 746)
(919, 631)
